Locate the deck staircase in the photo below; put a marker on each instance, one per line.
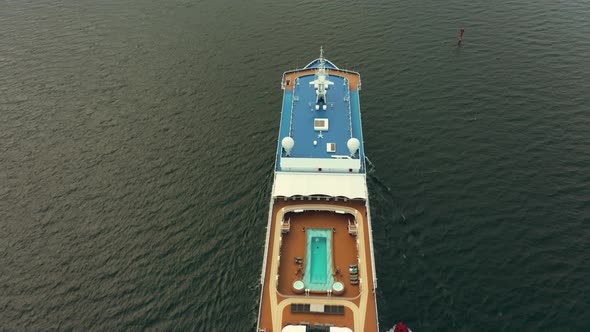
(352, 228)
(286, 226)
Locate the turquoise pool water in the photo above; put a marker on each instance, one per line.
(319, 259)
(318, 269)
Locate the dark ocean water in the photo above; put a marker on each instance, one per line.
(137, 144)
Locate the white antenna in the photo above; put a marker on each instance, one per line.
(321, 83)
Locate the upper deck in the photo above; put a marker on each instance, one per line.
(320, 123)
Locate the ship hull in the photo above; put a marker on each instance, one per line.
(318, 268)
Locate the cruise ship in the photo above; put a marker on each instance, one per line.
(318, 272)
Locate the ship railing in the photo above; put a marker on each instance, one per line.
(349, 112)
(293, 100)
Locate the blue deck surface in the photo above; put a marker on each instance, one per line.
(299, 113)
(286, 114)
(303, 115)
(285, 123)
(356, 124)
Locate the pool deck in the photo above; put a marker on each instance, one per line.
(359, 300)
(344, 250)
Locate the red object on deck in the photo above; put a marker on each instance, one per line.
(401, 327)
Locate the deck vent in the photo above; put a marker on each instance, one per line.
(300, 307)
(331, 147)
(316, 307)
(327, 309)
(320, 124)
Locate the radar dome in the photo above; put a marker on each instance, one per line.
(353, 145)
(288, 144)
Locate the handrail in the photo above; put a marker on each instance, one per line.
(293, 108)
(349, 112)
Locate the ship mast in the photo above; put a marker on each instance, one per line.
(321, 83)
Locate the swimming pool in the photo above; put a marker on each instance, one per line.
(319, 260)
(318, 270)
